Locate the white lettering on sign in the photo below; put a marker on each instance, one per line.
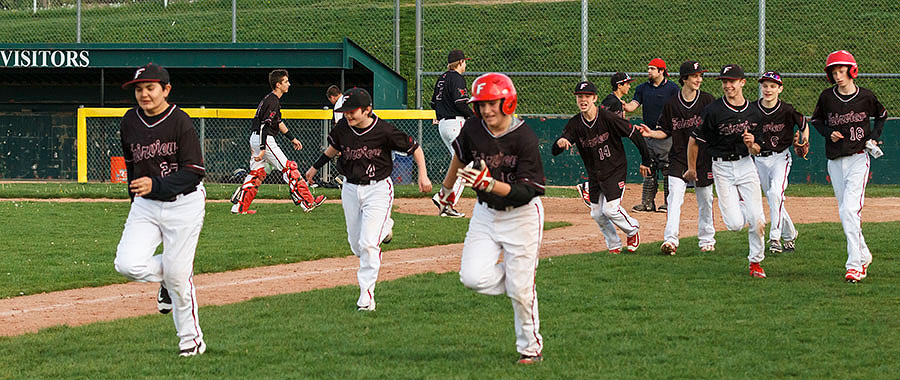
(45, 58)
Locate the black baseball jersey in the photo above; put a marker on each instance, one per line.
(164, 148)
(723, 126)
(679, 118)
(512, 157)
(776, 130)
(267, 118)
(366, 153)
(450, 97)
(613, 104)
(849, 115)
(599, 143)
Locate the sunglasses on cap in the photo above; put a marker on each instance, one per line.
(771, 75)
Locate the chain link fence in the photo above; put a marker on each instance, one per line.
(226, 148)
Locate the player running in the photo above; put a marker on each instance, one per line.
(266, 123)
(598, 135)
(365, 142)
(773, 162)
(450, 103)
(504, 168)
(842, 117)
(168, 202)
(726, 130)
(679, 118)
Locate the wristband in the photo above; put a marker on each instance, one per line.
(289, 135)
(323, 159)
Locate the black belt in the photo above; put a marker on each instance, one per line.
(767, 153)
(175, 198)
(500, 208)
(730, 157)
(362, 182)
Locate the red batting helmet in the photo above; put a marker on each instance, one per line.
(493, 86)
(841, 57)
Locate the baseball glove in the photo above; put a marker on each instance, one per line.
(801, 148)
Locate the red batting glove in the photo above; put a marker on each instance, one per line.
(478, 179)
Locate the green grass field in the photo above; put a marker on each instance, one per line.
(56, 246)
(640, 316)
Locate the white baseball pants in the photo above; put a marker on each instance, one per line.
(706, 231)
(517, 233)
(609, 215)
(177, 226)
(367, 211)
(736, 181)
(275, 157)
(773, 177)
(449, 131)
(849, 175)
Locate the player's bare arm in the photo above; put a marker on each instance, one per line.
(693, 150)
(330, 153)
(141, 186)
(647, 132)
(284, 130)
(750, 142)
(424, 182)
(631, 106)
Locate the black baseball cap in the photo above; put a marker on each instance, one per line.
(150, 72)
(773, 76)
(456, 55)
(731, 72)
(585, 87)
(355, 98)
(689, 68)
(619, 78)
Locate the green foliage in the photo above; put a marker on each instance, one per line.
(632, 316)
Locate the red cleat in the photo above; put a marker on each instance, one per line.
(853, 275)
(633, 242)
(757, 271)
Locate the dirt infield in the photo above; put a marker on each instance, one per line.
(26, 314)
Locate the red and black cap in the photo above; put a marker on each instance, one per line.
(355, 98)
(731, 72)
(150, 72)
(773, 76)
(456, 55)
(585, 87)
(689, 68)
(619, 78)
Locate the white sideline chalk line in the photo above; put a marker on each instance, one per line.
(217, 285)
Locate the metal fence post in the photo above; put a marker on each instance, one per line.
(397, 35)
(762, 40)
(203, 136)
(326, 171)
(418, 54)
(233, 21)
(34, 7)
(584, 39)
(78, 22)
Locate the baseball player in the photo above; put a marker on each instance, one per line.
(504, 168)
(598, 135)
(726, 129)
(168, 201)
(365, 142)
(680, 116)
(266, 123)
(842, 117)
(450, 104)
(773, 162)
(651, 96)
(621, 84)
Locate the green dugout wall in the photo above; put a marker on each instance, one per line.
(568, 169)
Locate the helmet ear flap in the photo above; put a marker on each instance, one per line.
(509, 105)
(854, 71)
